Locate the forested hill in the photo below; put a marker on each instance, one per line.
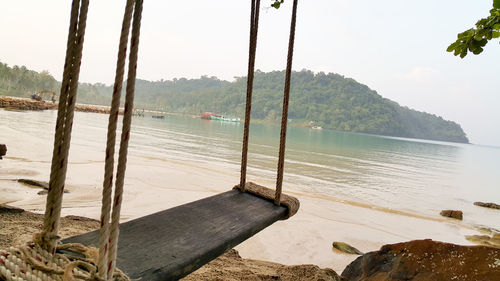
(327, 100)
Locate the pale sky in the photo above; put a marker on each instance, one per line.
(396, 47)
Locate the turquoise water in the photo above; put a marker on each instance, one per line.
(414, 176)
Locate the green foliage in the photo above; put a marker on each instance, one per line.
(277, 3)
(327, 100)
(20, 81)
(475, 39)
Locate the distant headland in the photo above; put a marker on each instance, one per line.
(319, 100)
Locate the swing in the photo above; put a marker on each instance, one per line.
(166, 245)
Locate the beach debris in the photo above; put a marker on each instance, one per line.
(487, 205)
(455, 214)
(346, 248)
(425, 260)
(9, 209)
(3, 150)
(37, 183)
(485, 240)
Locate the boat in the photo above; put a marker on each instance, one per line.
(208, 115)
(213, 116)
(158, 116)
(316, 128)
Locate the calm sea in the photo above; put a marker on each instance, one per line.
(413, 176)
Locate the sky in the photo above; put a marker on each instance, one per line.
(396, 47)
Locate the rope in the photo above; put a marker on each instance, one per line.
(111, 139)
(33, 263)
(64, 124)
(127, 119)
(254, 26)
(286, 97)
(291, 203)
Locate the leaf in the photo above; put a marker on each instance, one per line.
(477, 51)
(277, 4)
(496, 26)
(452, 47)
(496, 4)
(463, 53)
(495, 34)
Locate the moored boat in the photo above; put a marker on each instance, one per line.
(213, 116)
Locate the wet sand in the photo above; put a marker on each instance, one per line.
(153, 184)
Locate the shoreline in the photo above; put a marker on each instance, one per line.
(304, 239)
(17, 103)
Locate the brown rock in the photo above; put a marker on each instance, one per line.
(487, 205)
(3, 150)
(426, 260)
(452, 214)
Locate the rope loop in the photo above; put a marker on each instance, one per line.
(254, 24)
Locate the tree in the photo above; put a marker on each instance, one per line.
(475, 39)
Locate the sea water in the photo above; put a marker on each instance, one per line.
(414, 177)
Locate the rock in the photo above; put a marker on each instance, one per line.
(36, 183)
(9, 209)
(452, 214)
(3, 150)
(346, 248)
(485, 240)
(42, 184)
(426, 260)
(487, 205)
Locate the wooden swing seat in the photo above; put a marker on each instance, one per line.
(170, 244)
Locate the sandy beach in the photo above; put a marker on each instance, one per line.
(154, 184)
